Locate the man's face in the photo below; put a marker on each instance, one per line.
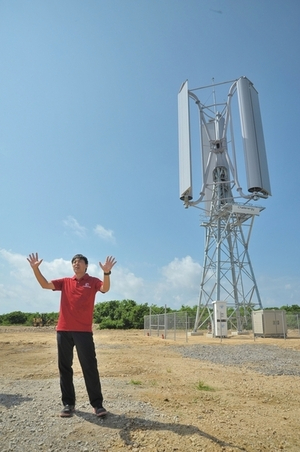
(79, 266)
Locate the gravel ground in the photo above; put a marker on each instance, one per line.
(265, 359)
(30, 421)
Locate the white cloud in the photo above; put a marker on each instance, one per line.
(125, 285)
(19, 290)
(182, 273)
(177, 284)
(280, 291)
(180, 283)
(72, 224)
(106, 234)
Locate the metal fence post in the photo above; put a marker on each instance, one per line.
(165, 322)
(283, 324)
(174, 326)
(186, 327)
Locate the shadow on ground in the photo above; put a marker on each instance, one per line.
(127, 424)
(11, 400)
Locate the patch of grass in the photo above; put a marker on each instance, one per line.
(201, 386)
(135, 382)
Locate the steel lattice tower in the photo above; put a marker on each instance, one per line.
(228, 219)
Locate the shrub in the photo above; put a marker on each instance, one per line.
(16, 318)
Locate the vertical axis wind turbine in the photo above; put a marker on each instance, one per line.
(228, 214)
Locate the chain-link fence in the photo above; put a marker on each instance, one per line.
(172, 326)
(177, 325)
(293, 324)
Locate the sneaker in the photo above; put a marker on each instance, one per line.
(100, 411)
(67, 411)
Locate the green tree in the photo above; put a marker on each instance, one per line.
(191, 311)
(293, 309)
(158, 310)
(16, 318)
(125, 314)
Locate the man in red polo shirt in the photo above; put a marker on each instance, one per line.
(74, 327)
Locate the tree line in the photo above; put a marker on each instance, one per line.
(114, 314)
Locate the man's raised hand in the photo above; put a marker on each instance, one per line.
(34, 260)
(108, 265)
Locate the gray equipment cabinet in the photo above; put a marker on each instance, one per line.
(269, 323)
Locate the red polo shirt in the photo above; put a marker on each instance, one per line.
(77, 302)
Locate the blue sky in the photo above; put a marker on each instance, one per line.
(89, 141)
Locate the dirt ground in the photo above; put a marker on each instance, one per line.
(244, 411)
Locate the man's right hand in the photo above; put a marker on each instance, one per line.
(34, 260)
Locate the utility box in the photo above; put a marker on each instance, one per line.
(220, 318)
(269, 323)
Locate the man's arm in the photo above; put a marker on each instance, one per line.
(106, 267)
(34, 262)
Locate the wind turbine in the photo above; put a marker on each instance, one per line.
(227, 211)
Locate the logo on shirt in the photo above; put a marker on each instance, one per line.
(87, 285)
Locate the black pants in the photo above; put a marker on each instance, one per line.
(85, 347)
